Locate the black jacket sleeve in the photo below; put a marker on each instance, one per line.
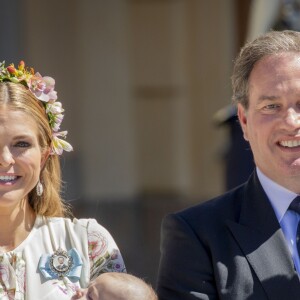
(185, 270)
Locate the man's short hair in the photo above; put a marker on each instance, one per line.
(273, 42)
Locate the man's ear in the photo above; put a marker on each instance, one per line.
(45, 155)
(242, 115)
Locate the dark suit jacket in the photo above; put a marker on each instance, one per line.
(231, 247)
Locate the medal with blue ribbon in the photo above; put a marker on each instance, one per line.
(61, 264)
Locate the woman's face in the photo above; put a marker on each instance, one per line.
(21, 158)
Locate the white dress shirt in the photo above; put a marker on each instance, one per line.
(281, 199)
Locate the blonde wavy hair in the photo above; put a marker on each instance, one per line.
(49, 204)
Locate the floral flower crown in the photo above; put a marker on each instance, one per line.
(43, 89)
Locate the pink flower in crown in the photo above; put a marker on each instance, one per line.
(57, 120)
(54, 111)
(59, 145)
(42, 87)
(54, 108)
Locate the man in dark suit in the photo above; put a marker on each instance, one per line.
(243, 244)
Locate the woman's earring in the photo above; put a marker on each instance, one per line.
(39, 189)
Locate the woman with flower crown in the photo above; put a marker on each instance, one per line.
(43, 254)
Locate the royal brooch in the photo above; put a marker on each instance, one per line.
(61, 264)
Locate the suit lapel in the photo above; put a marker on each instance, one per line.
(261, 239)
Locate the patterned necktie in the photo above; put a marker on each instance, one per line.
(295, 206)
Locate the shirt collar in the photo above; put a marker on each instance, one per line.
(279, 197)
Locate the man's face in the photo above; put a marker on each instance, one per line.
(272, 121)
(61, 260)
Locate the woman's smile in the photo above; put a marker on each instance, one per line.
(8, 179)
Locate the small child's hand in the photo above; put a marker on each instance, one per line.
(80, 294)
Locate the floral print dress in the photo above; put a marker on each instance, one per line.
(27, 272)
